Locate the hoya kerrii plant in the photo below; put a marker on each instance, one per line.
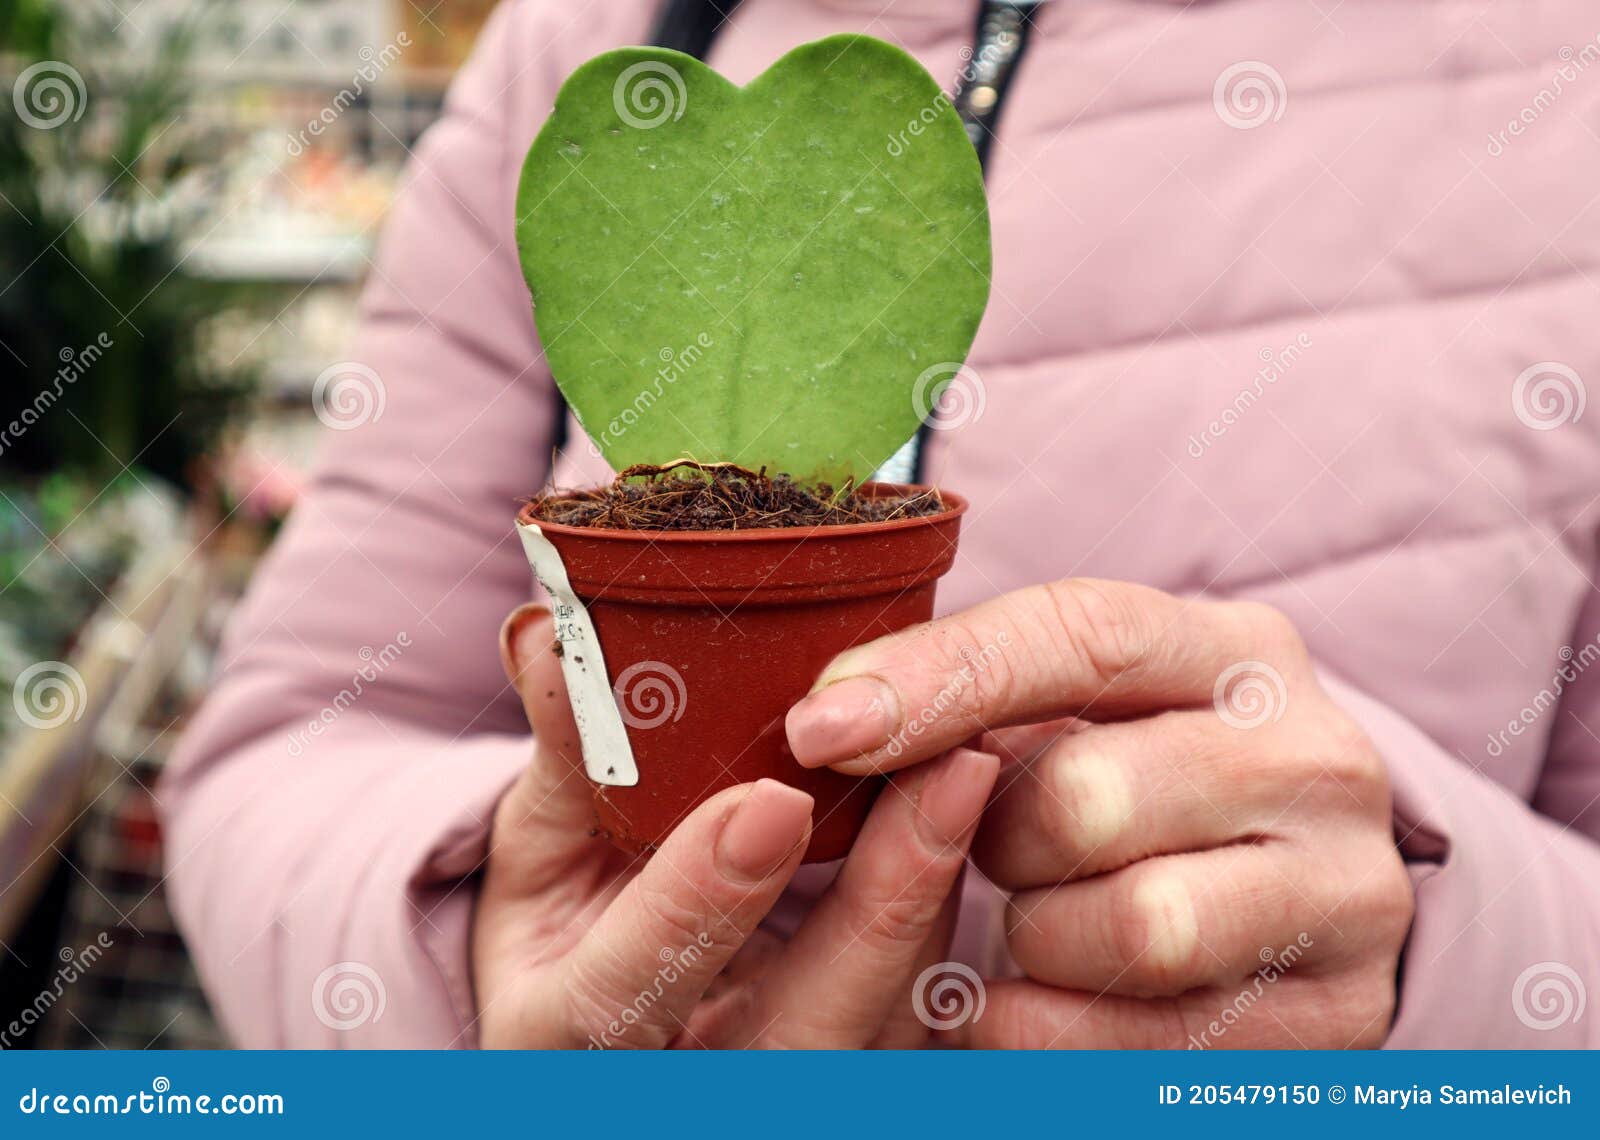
(806, 249)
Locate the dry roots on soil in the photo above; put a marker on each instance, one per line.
(687, 495)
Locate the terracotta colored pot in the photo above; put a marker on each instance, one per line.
(710, 636)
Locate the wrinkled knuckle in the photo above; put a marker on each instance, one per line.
(977, 662)
(895, 922)
(674, 923)
(1053, 804)
(1334, 750)
(1157, 933)
(1128, 932)
(1081, 807)
(591, 1008)
(1097, 626)
(960, 670)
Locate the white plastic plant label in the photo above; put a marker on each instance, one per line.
(607, 755)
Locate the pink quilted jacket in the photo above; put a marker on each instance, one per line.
(1292, 302)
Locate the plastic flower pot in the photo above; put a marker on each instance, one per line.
(710, 636)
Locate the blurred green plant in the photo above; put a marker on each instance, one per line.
(49, 586)
(101, 169)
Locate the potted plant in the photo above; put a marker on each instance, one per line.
(739, 290)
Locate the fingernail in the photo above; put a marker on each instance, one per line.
(512, 654)
(949, 806)
(847, 719)
(763, 831)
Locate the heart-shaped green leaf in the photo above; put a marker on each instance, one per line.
(779, 275)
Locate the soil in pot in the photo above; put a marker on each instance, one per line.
(718, 596)
(687, 495)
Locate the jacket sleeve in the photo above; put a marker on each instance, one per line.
(333, 793)
(1505, 946)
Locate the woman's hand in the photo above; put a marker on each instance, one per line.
(576, 944)
(1201, 851)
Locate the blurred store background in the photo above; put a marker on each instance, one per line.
(189, 194)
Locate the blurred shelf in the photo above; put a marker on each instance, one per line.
(44, 774)
(287, 258)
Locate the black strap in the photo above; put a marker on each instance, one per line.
(998, 43)
(692, 26)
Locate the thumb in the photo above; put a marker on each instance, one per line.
(548, 813)
(528, 655)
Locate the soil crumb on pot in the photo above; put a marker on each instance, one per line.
(687, 495)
